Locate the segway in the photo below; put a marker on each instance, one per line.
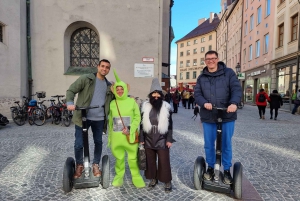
(87, 179)
(216, 183)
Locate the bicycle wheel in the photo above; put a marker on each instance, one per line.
(38, 116)
(66, 117)
(56, 116)
(18, 117)
(48, 112)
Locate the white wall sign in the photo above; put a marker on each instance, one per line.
(148, 59)
(143, 70)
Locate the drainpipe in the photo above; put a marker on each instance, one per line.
(297, 70)
(170, 42)
(29, 69)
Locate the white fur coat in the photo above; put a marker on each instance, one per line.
(163, 117)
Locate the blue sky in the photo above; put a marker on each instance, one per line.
(185, 16)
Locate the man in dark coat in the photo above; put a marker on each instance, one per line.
(275, 103)
(217, 86)
(156, 134)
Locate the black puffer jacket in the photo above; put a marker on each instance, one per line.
(220, 88)
(276, 100)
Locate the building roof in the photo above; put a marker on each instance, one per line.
(202, 29)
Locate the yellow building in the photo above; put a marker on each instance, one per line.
(192, 48)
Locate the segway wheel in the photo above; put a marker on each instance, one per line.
(105, 172)
(199, 169)
(237, 180)
(68, 173)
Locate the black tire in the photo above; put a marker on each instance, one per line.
(38, 116)
(68, 173)
(48, 113)
(105, 172)
(199, 170)
(66, 117)
(237, 180)
(18, 117)
(57, 116)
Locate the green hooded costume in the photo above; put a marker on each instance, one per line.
(130, 113)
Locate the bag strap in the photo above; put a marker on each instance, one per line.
(119, 113)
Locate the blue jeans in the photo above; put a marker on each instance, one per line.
(210, 135)
(295, 108)
(97, 129)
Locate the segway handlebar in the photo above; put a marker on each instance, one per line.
(219, 108)
(86, 108)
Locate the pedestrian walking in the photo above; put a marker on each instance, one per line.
(175, 100)
(296, 102)
(191, 101)
(275, 103)
(261, 102)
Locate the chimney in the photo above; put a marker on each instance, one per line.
(201, 21)
(211, 17)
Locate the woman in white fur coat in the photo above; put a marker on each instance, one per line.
(156, 134)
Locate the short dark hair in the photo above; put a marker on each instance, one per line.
(211, 52)
(104, 60)
(261, 90)
(160, 93)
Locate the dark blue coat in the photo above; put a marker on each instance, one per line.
(220, 88)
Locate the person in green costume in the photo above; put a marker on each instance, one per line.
(130, 113)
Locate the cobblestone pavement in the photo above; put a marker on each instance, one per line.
(32, 160)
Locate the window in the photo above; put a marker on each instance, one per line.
(202, 61)
(195, 62)
(188, 52)
(281, 1)
(202, 39)
(247, 1)
(194, 74)
(250, 52)
(202, 49)
(245, 56)
(251, 22)
(266, 43)
(84, 48)
(268, 9)
(209, 47)
(257, 45)
(1, 33)
(195, 41)
(210, 37)
(259, 15)
(181, 44)
(188, 43)
(187, 75)
(181, 54)
(195, 51)
(246, 28)
(180, 76)
(187, 63)
(280, 36)
(294, 27)
(181, 64)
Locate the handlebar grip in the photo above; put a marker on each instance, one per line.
(85, 108)
(219, 108)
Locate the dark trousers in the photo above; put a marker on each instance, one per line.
(175, 106)
(162, 171)
(271, 111)
(261, 110)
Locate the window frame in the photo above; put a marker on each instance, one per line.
(251, 23)
(266, 43)
(250, 52)
(195, 41)
(268, 8)
(280, 35)
(187, 75)
(188, 63)
(181, 64)
(188, 52)
(194, 62)
(258, 20)
(257, 48)
(294, 27)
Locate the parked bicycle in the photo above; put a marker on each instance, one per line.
(54, 111)
(66, 114)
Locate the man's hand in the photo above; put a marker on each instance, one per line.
(142, 142)
(231, 108)
(125, 131)
(208, 106)
(169, 144)
(71, 107)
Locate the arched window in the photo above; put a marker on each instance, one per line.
(84, 48)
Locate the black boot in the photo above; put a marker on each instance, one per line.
(153, 183)
(168, 187)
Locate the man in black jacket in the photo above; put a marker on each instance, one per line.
(217, 86)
